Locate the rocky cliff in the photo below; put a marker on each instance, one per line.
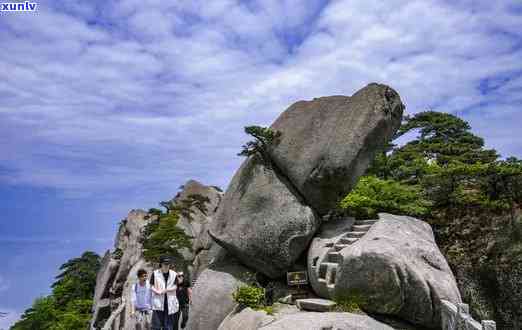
(119, 266)
(272, 218)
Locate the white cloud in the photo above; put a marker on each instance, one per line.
(116, 96)
(9, 319)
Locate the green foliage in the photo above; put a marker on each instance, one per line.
(77, 279)
(155, 211)
(41, 315)
(494, 187)
(350, 302)
(186, 207)
(68, 307)
(75, 316)
(474, 207)
(264, 138)
(445, 138)
(117, 254)
(163, 237)
(444, 170)
(268, 309)
(372, 195)
(249, 296)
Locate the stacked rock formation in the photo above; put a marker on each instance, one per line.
(272, 214)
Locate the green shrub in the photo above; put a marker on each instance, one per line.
(268, 309)
(117, 254)
(69, 305)
(163, 237)
(249, 296)
(372, 195)
(264, 137)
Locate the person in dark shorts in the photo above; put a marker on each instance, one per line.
(184, 295)
(164, 301)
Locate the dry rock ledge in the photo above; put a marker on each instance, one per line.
(272, 214)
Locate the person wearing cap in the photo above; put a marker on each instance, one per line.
(184, 294)
(164, 301)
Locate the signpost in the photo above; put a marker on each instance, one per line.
(296, 280)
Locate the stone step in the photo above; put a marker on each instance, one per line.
(335, 256)
(363, 228)
(331, 272)
(325, 268)
(347, 240)
(355, 234)
(322, 272)
(365, 222)
(339, 247)
(315, 304)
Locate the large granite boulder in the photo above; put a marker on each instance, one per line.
(128, 247)
(330, 321)
(288, 317)
(396, 268)
(262, 220)
(212, 297)
(245, 319)
(195, 224)
(327, 143)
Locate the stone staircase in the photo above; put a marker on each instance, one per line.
(328, 266)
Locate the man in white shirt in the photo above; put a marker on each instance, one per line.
(141, 301)
(164, 301)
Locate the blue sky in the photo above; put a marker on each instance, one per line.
(108, 106)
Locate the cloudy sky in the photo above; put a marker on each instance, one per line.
(112, 105)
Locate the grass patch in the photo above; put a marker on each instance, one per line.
(351, 302)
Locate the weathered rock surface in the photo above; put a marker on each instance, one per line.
(315, 304)
(101, 302)
(327, 143)
(128, 321)
(212, 294)
(332, 321)
(323, 242)
(398, 269)
(262, 221)
(118, 271)
(128, 246)
(116, 265)
(197, 226)
(246, 319)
